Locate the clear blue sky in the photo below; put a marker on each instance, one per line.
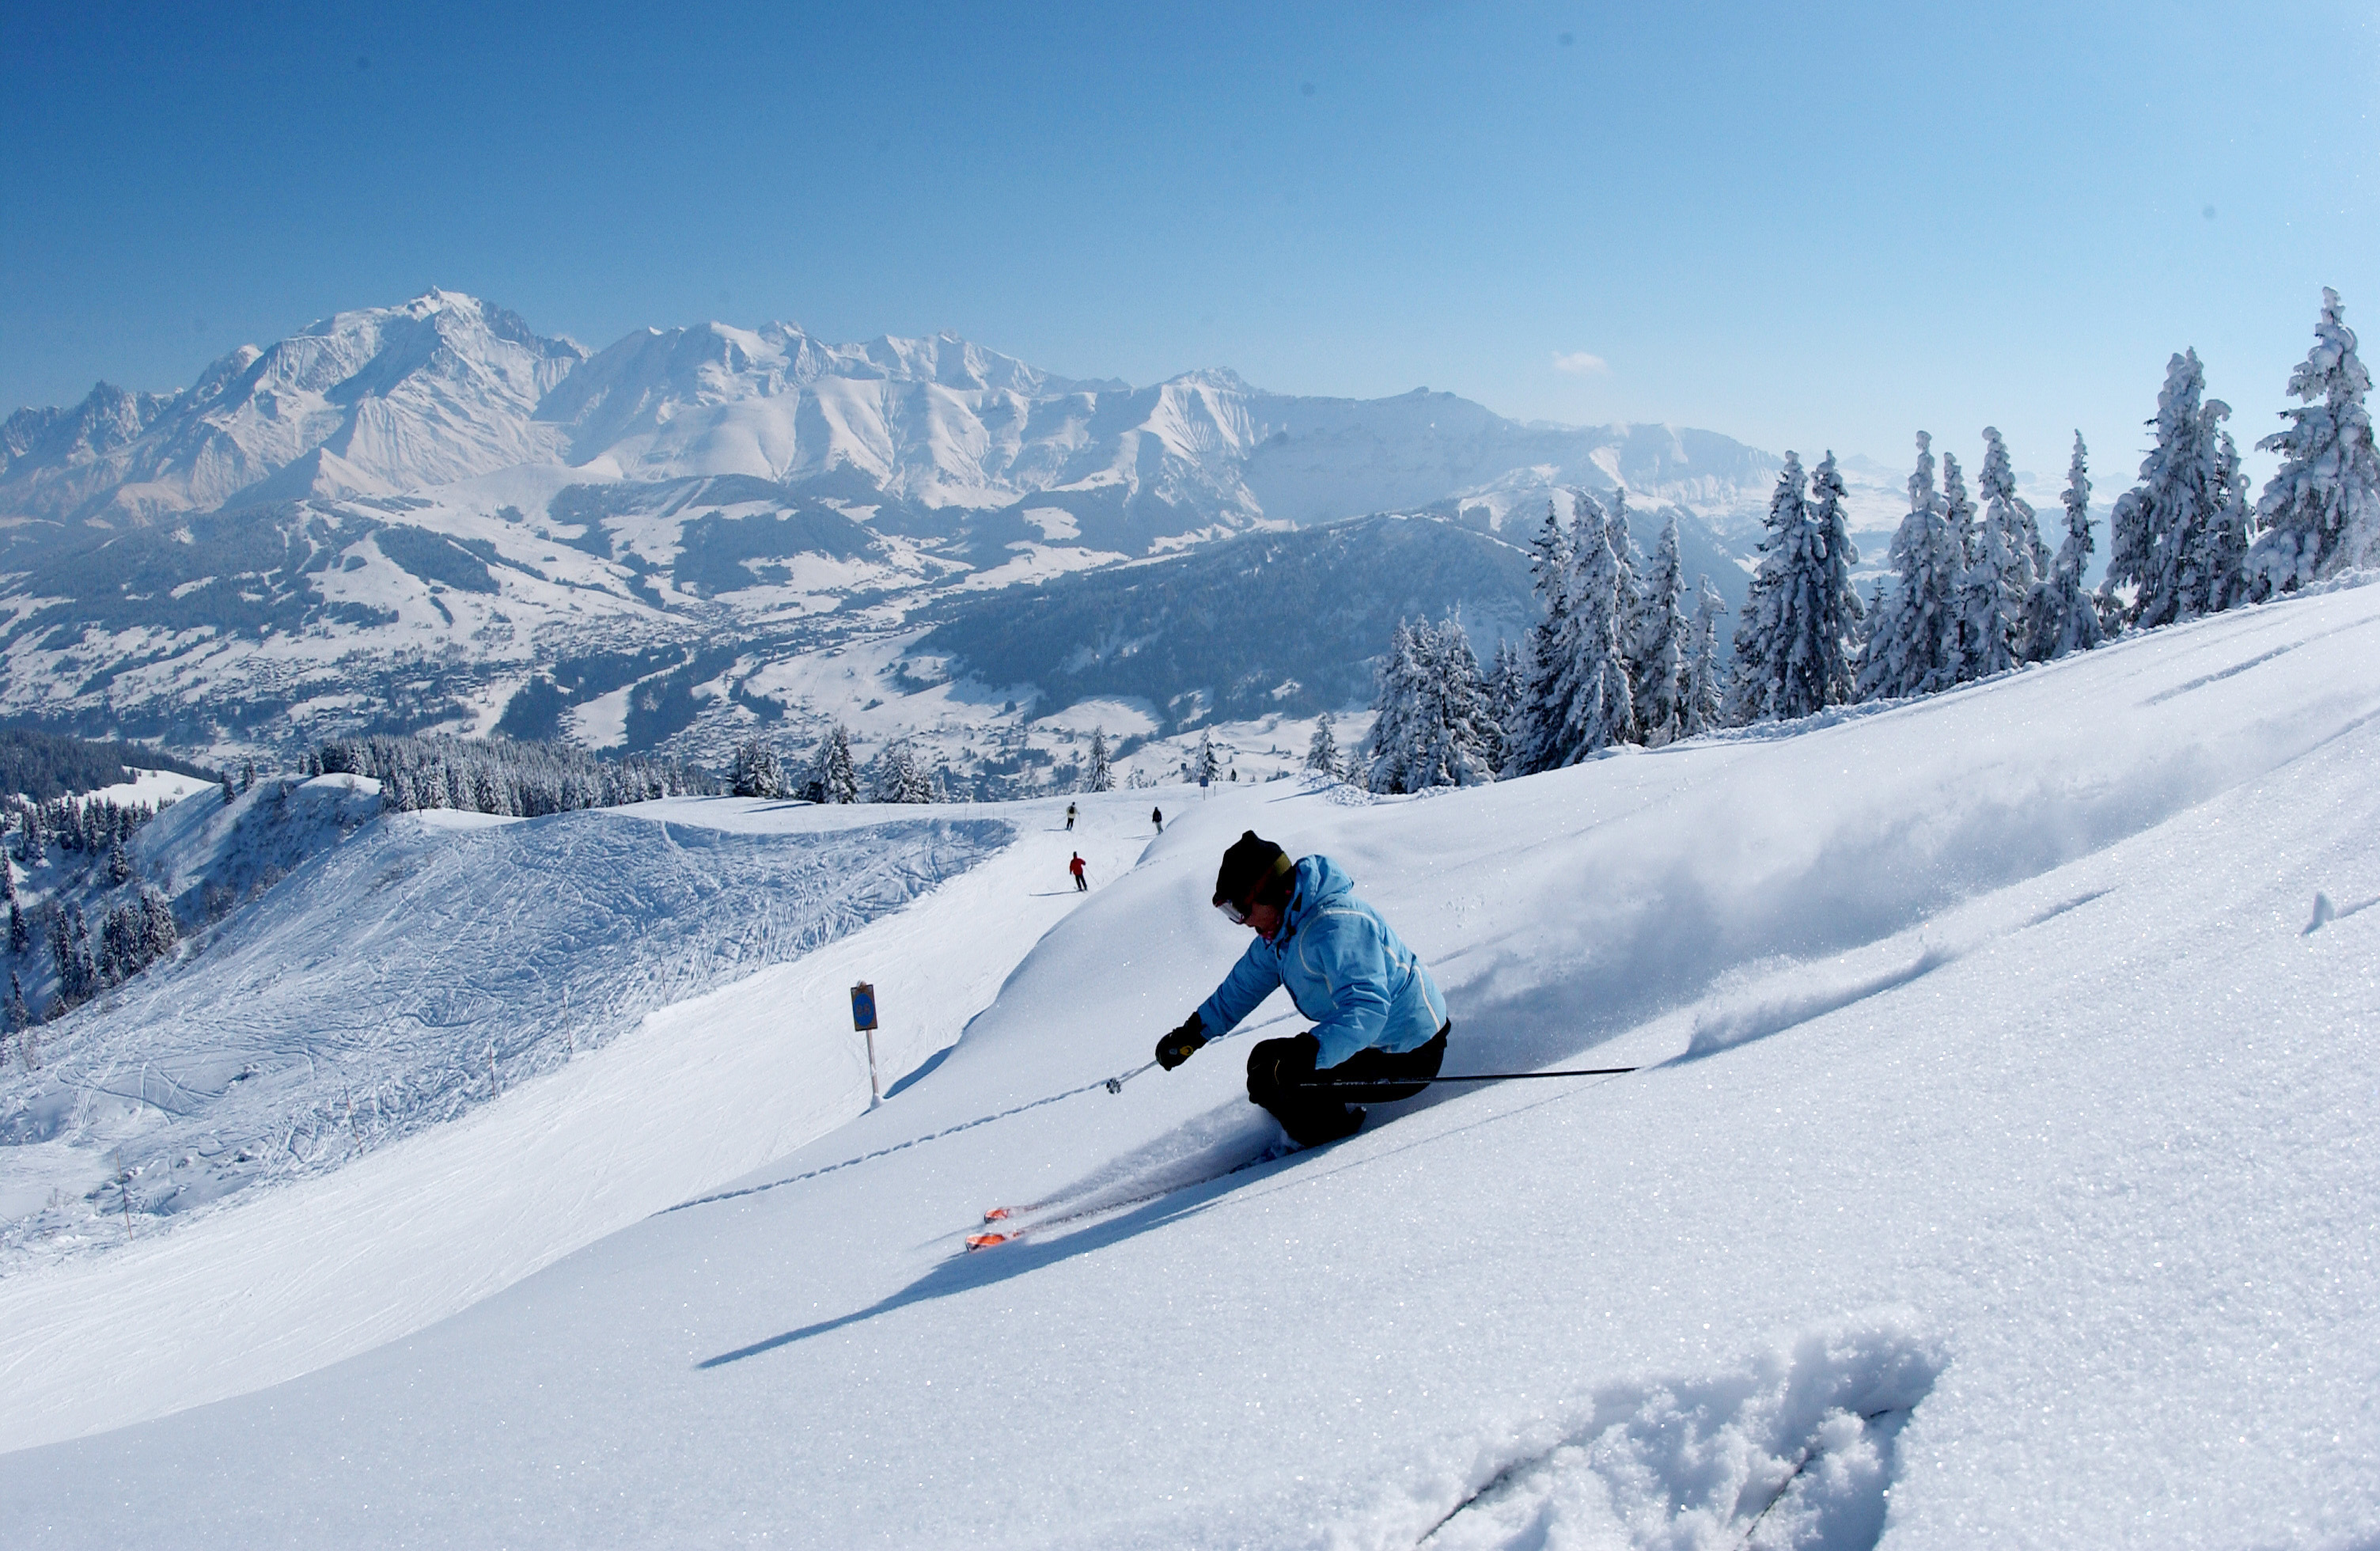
(1805, 227)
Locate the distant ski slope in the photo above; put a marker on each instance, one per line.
(2001, 1175)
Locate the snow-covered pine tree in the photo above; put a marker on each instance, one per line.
(2220, 569)
(834, 774)
(159, 934)
(1630, 562)
(1825, 649)
(1461, 740)
(1911, 645)
(1207, 767)
(1996, 590)
(1396, 713)
(1431, 728)
(2321, 509)
(119, 866)
(756, 771)
(7, 881)
(1959, 517)
(1506, 684)
(1661, 641)
(19, 1017)
(1764, 636)
(20, 937)
(1102, 777)
(1701, 680)
(1600, 707)
(231, 793)
(1536, 729)
(2157, 538)
(2062, 618)
(897, 776)
(1322, 753)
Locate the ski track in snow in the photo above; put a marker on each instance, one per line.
(2000, 1173)
(387, 987)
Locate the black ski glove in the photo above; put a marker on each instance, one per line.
(1180, 1044)
(1278, 1065)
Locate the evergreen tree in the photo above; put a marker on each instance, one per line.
(756, 771)
(1996, 590)
(2321, 509)
(1396, 703)
(2219, 573)
(71, 955)
(2062, 618)
(898, 777)
(1628, 560)
(1662, 642)
(1535, 735)
(2158, 543)
(834, 775)
(1465, 743)
(19, 938)
(119, 866)
(1322, 754)
(33, 846)
(1207, 767)
(1912, 646)
(1822, 663)
(1434, 723)
(1599, 708)
(1102, 778)
(1507, 684)
(231, 793)
(1763, 637)
(7, 881)
(20, 1018)
(1702, 681)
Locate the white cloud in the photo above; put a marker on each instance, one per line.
(1582, 363)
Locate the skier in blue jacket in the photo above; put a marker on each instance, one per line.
(1380, 1023)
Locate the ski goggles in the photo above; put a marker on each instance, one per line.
(1236, 913)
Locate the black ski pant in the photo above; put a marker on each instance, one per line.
(1283, 1079)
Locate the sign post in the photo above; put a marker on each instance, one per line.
(863, 1018)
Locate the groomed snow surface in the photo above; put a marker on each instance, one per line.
(2000, 1173)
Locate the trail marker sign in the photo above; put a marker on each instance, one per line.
(863, 1019)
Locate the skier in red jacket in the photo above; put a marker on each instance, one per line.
(1075, 866)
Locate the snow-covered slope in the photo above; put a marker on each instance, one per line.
(383, 988)
(1998, 1174)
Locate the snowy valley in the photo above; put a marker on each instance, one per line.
(1996, 1171)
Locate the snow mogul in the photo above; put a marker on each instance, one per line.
(1380, 1023)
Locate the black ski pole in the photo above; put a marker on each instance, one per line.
(1466, 1077)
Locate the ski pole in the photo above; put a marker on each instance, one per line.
(1116, 1082)
(1467, 1077)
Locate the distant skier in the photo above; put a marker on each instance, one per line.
(1380, 1023)
(1157, 816)
(1070, 818)
(1082, 884)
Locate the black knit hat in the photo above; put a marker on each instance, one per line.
(1251, 863)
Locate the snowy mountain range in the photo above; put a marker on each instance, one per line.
(446, 387)
(407, 518)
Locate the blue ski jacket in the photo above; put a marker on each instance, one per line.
(1344, 968)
